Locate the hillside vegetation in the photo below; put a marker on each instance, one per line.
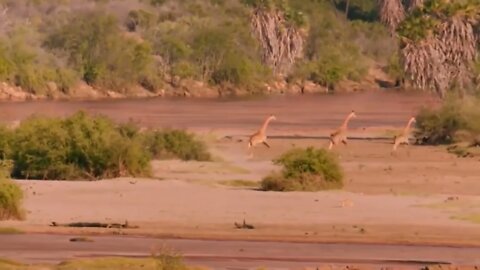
(56, 48)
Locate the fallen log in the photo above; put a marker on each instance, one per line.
(94, 225)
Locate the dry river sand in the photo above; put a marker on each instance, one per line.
(420, 195)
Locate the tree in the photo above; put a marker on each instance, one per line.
(278, 28)
(392, 13)
(439, 44)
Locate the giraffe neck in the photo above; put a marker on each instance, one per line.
(345, 123)
(265, 125)
(407, 128)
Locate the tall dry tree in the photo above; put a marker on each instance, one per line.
(392, 13)
(282, 42)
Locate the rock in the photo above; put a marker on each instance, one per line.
(378, 77)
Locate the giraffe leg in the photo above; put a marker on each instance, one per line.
(395, 145)
(330, 145)
(266, 144)
(250, 149)
(250, 153)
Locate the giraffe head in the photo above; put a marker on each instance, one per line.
(272, 117)
(352, 114)
(413, 120)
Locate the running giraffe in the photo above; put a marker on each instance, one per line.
(340, 135)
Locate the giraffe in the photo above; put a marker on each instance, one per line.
(340, 135)
(261, 135)
(403, 137)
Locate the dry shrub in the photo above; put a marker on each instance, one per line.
(305, 170)
(11, 195)
(455, 121)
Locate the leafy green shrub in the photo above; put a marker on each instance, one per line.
(169, 260)
(5, 139)
(11, 195)
(335, 49)
(305, 170)
(96, 48)
(24, 66)
(10, 200)
(439, 126)
(238, 69)
(442, 125)
(184, 69)
(92, 147)
(139, 18)
(176, 143)
(76, 147)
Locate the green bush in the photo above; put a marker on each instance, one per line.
(169, 260)
(77, 147)
(176, 144)
(139, 19)
(91, 147)
(5, 139)
(11, 195)
(337, 49)
(10, 200)
(305, 170)
(449, 122)
(27, 68)
(95, 47)
(237, 69)
(217, 49)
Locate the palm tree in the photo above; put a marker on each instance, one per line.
(282, 41)
(439, 45)
(392, 13)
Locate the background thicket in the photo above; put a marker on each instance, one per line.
(52, 45)
(49, 46)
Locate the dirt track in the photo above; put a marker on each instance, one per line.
(239, 254)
